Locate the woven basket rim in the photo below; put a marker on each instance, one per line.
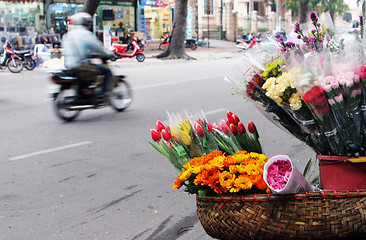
(273, 197)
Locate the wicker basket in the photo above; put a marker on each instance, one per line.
(313, 215)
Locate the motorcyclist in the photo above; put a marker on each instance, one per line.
(79, 42)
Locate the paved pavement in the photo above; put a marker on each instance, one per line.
(217, 49)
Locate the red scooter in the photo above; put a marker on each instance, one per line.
(245, 45)
(120, 51)
(165, 43)
(10, 59)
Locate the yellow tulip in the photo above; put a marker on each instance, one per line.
(185, 126)
(172, 132)
(185, 137)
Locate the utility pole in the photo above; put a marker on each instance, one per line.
(278, 17)
(221, 13)
(208, 23)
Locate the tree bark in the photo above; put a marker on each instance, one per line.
(303, 11)
(90, 6)
(176, 46)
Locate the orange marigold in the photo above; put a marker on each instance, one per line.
(226, 179)
(251, 169)
(243, 182)
(261, 184)
(177, 184)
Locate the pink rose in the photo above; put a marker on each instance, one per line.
(361, 71)
(339, 98)
(331, 101)
(273, 169)
(287, 176)
(279, 179)
(356, 93)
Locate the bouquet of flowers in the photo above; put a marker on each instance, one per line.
(310, 92)
(216, 173)
(218, 158)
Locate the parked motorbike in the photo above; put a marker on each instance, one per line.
(140, 42)
(189, 43)
(247, 42)
(165, 43)
(72, 94)
(27, 58)
(120, 51)
(10, 60)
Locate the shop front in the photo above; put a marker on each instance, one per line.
(156, 18)
(21, 17)
(118, 16)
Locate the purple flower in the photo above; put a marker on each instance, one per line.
(313, 31)
(313, 16)
(299, 36)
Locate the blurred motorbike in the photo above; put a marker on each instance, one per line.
(72, 93)
(247, 42)
(27, 58)
(120, 51)
(189, 43)
(10, 60)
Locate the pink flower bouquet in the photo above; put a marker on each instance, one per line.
(282, 176)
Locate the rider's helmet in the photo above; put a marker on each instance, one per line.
(81, 18)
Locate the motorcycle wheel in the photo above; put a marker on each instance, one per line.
(15, 65)
(163, 46)
(121, 95)
(140, 57)
(194, 46)
(113, 57)
(30, 64)
(62, 105)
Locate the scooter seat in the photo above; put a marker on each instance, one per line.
(22, 52)
(119, 45)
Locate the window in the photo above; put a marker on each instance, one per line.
(208, 8)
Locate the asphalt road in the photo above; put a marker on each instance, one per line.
(98, 177)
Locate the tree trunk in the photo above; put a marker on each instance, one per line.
(303, 11)
(176, 46)
(90, 6)
(332, 13)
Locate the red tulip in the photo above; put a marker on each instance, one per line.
(251, 127)
(209, 127)
(232, 128)
(199, 129)
(235, 119)
(166, 135)
(217, 126)
(228, 123)
(155, 135)
(230, 118)
(159, 126)
(228, 114)
(241, 128)
(168, 129)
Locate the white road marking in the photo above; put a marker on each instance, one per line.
(215, 111)
(175, 82)
(49, 150)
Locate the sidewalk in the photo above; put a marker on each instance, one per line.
(214, 49)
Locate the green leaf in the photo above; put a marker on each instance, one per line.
(159, 149)
(307, 168)
(202, 193)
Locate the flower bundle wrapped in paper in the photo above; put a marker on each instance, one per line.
(183, 139)
(311, 95)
